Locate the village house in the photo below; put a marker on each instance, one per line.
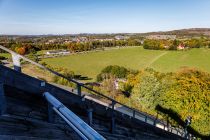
(106, 39)
(181, 47)
(120, 37)
(172, 37)
(166, 47)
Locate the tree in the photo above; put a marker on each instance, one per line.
(194, 43)
(147, 91)
(153, 44)
(21, 50)
(190, 96)
(116, 71)
(174, 45)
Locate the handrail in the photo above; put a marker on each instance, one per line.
(79, 85)
(77, 124)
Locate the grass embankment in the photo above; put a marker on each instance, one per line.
(6, 55)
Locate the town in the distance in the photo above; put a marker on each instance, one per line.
(74, 43)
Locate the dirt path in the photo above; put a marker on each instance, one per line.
(156, 58)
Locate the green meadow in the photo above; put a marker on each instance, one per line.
(90, 64)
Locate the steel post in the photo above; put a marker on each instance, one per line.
(16, 62)
(79, 89)
(90, 116)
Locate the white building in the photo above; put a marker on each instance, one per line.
(120, 37)
(58, 52)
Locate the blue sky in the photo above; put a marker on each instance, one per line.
(101, 16)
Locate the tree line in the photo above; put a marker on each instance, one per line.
(173, 44)
(25, 48)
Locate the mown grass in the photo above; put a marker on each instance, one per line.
(172, 61)
(90, 64)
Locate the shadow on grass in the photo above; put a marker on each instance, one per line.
(80, 77)
(176, 117)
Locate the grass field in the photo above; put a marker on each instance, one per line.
(92, 63)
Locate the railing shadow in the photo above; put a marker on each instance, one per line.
(177, 118)
(80, 77)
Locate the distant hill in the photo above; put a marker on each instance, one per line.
(184, 32)
(191, 32)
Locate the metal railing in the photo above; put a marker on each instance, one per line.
(133, 113)
(77, 124)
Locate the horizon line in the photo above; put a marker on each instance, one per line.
(57, 34)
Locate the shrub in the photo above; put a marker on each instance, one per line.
(116, 71)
